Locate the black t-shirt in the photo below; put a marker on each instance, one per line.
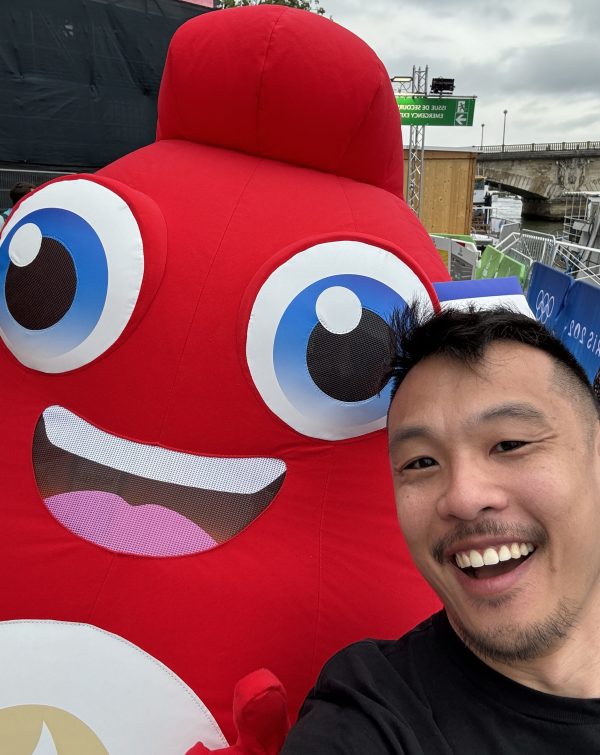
(425, 694)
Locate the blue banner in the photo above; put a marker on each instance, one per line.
(546, 294)
(484, 293)
(578, 325)
(569, 308)
(473, 289)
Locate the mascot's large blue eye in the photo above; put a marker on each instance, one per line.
(318, 340)
(71, 267)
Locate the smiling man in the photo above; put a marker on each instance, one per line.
(497, 484)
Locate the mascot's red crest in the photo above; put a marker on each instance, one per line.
(286, 86)
(194, 466)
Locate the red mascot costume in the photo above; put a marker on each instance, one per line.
(194, 468)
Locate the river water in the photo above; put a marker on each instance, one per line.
(510, 206)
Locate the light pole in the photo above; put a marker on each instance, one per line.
(504, 129)
(482, 127)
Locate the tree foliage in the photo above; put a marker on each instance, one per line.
(313, 5)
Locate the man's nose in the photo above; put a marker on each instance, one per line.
(470, 488)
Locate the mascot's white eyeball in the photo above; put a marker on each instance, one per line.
(71, 269)
(318, 341)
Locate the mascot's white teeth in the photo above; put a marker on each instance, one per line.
(229, 475)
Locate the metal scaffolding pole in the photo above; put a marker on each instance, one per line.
(416, 147)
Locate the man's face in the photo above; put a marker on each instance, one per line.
(502, 461)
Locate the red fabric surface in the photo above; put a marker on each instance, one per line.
(325, 564)
(283, 84)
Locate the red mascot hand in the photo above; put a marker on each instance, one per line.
(260, 714)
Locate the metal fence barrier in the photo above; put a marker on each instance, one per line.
(535, 247)
(10, 176)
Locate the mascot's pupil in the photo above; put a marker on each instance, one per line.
(39, 294)
(349, 366)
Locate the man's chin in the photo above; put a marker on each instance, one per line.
(510, 642)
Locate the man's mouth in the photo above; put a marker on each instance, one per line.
(492, 561)
(145, 499)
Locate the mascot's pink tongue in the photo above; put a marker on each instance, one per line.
(147, 530)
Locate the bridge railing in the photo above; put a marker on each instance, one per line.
(544, 147)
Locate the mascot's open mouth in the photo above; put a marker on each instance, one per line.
(142, 499)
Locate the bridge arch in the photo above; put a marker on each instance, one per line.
(542, 173)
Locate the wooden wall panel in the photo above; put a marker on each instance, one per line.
(447, 198)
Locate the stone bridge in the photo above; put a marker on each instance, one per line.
(542, 173)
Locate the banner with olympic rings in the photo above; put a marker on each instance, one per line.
(571, 310)
(546, 294)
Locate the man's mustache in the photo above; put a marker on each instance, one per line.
(513, 532)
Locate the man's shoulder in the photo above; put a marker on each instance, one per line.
(374, 696)
(384, 659)
(414, 638)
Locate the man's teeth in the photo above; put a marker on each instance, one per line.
(493, 555)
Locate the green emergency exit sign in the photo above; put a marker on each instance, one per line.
(436, 111)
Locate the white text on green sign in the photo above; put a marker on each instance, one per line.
(436, 111)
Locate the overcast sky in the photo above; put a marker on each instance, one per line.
(539, 60)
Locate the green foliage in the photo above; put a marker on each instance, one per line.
(313, 5)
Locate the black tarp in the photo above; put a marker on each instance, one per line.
(79, 78)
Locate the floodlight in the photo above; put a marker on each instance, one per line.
(440, 86)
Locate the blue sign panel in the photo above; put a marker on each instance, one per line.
(485, 293)
(546, 294)
(578, 325)
(473, 289)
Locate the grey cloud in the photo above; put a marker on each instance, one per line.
(546, 19)
(586, 14)
(521, 55)
(562, 69)
(464, 9)
(590, 119)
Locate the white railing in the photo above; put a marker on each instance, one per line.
(545, 147)
(530, 245)
(581, 262)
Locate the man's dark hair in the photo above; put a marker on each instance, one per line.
(464, 335)
(19, 190)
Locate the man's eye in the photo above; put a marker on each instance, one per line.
(425, 462)
(509, 445)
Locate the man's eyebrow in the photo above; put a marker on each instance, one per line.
(510, 411)
(410, 432)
